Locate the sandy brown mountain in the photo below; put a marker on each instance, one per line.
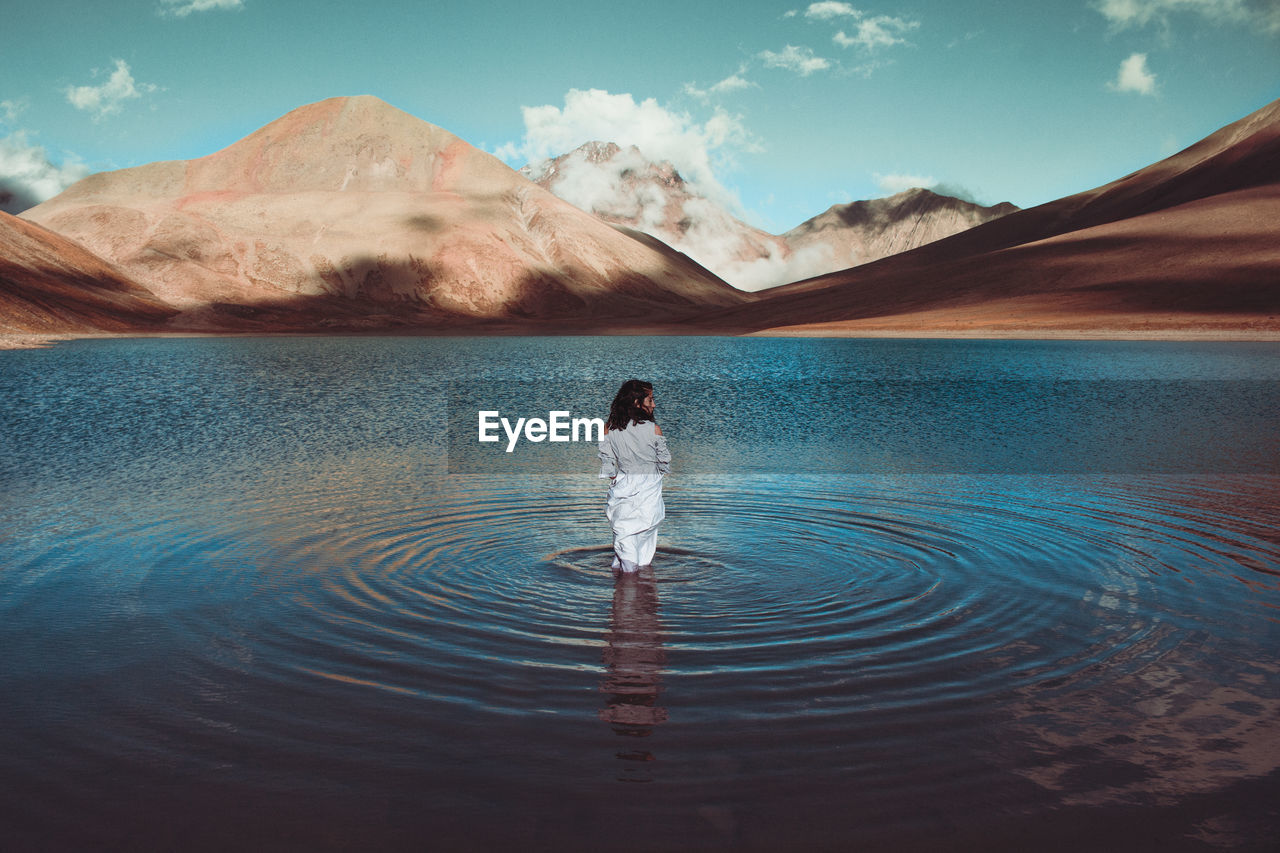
(1191, 243)
(49, 284)
(351, 213)
(864, 231)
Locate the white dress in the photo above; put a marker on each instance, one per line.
(635, 460)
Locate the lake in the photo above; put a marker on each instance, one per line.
(274, 592)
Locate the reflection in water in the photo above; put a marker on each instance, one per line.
(634, 657)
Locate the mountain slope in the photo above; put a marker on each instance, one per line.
(51, 284)
(350, 212)
(1190, 242)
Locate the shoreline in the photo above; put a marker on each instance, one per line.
(1172, 335)
(44, 340)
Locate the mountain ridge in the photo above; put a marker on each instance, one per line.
(435, 234)
(861, 232)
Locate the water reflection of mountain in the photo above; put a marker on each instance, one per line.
(634, 658)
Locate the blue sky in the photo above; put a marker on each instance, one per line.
(779, 108)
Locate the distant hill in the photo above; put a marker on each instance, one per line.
(1189, 243)
(621, 186)
(864, 231)
(349, 213)
(50, 284)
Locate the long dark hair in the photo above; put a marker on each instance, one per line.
(626, 408)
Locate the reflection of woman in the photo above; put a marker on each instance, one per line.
(633, 458)
(635, 658)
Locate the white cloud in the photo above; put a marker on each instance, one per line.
(105, 100)
(801, 60)
(893, 184)
(1264, 14)
(864, 70)
(778, 269)
(602, 187)
(866, 31)
(10, 110)
(732, 83)
(969, 36)
(28, 176)
(828, 10)
(182, 8)
(1125, 13)
(880, 31)
(1134, 76)
(696, 148)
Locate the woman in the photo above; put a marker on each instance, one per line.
(634, 458)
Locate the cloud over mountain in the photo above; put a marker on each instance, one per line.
(624, 187)
(28, 176)
(693, 147)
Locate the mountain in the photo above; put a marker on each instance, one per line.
(50, 284)
(1189, 243)
(621, 186)
(350, 213)
(864, 231)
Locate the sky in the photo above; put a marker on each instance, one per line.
(778, 110)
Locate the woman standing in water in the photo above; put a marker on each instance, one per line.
(633, 458)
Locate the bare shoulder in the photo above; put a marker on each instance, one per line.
(657, 429)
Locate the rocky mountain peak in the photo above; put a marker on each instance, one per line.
(628, 164)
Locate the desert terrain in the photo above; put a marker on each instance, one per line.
(350, 216)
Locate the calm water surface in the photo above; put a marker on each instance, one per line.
(909, 595)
